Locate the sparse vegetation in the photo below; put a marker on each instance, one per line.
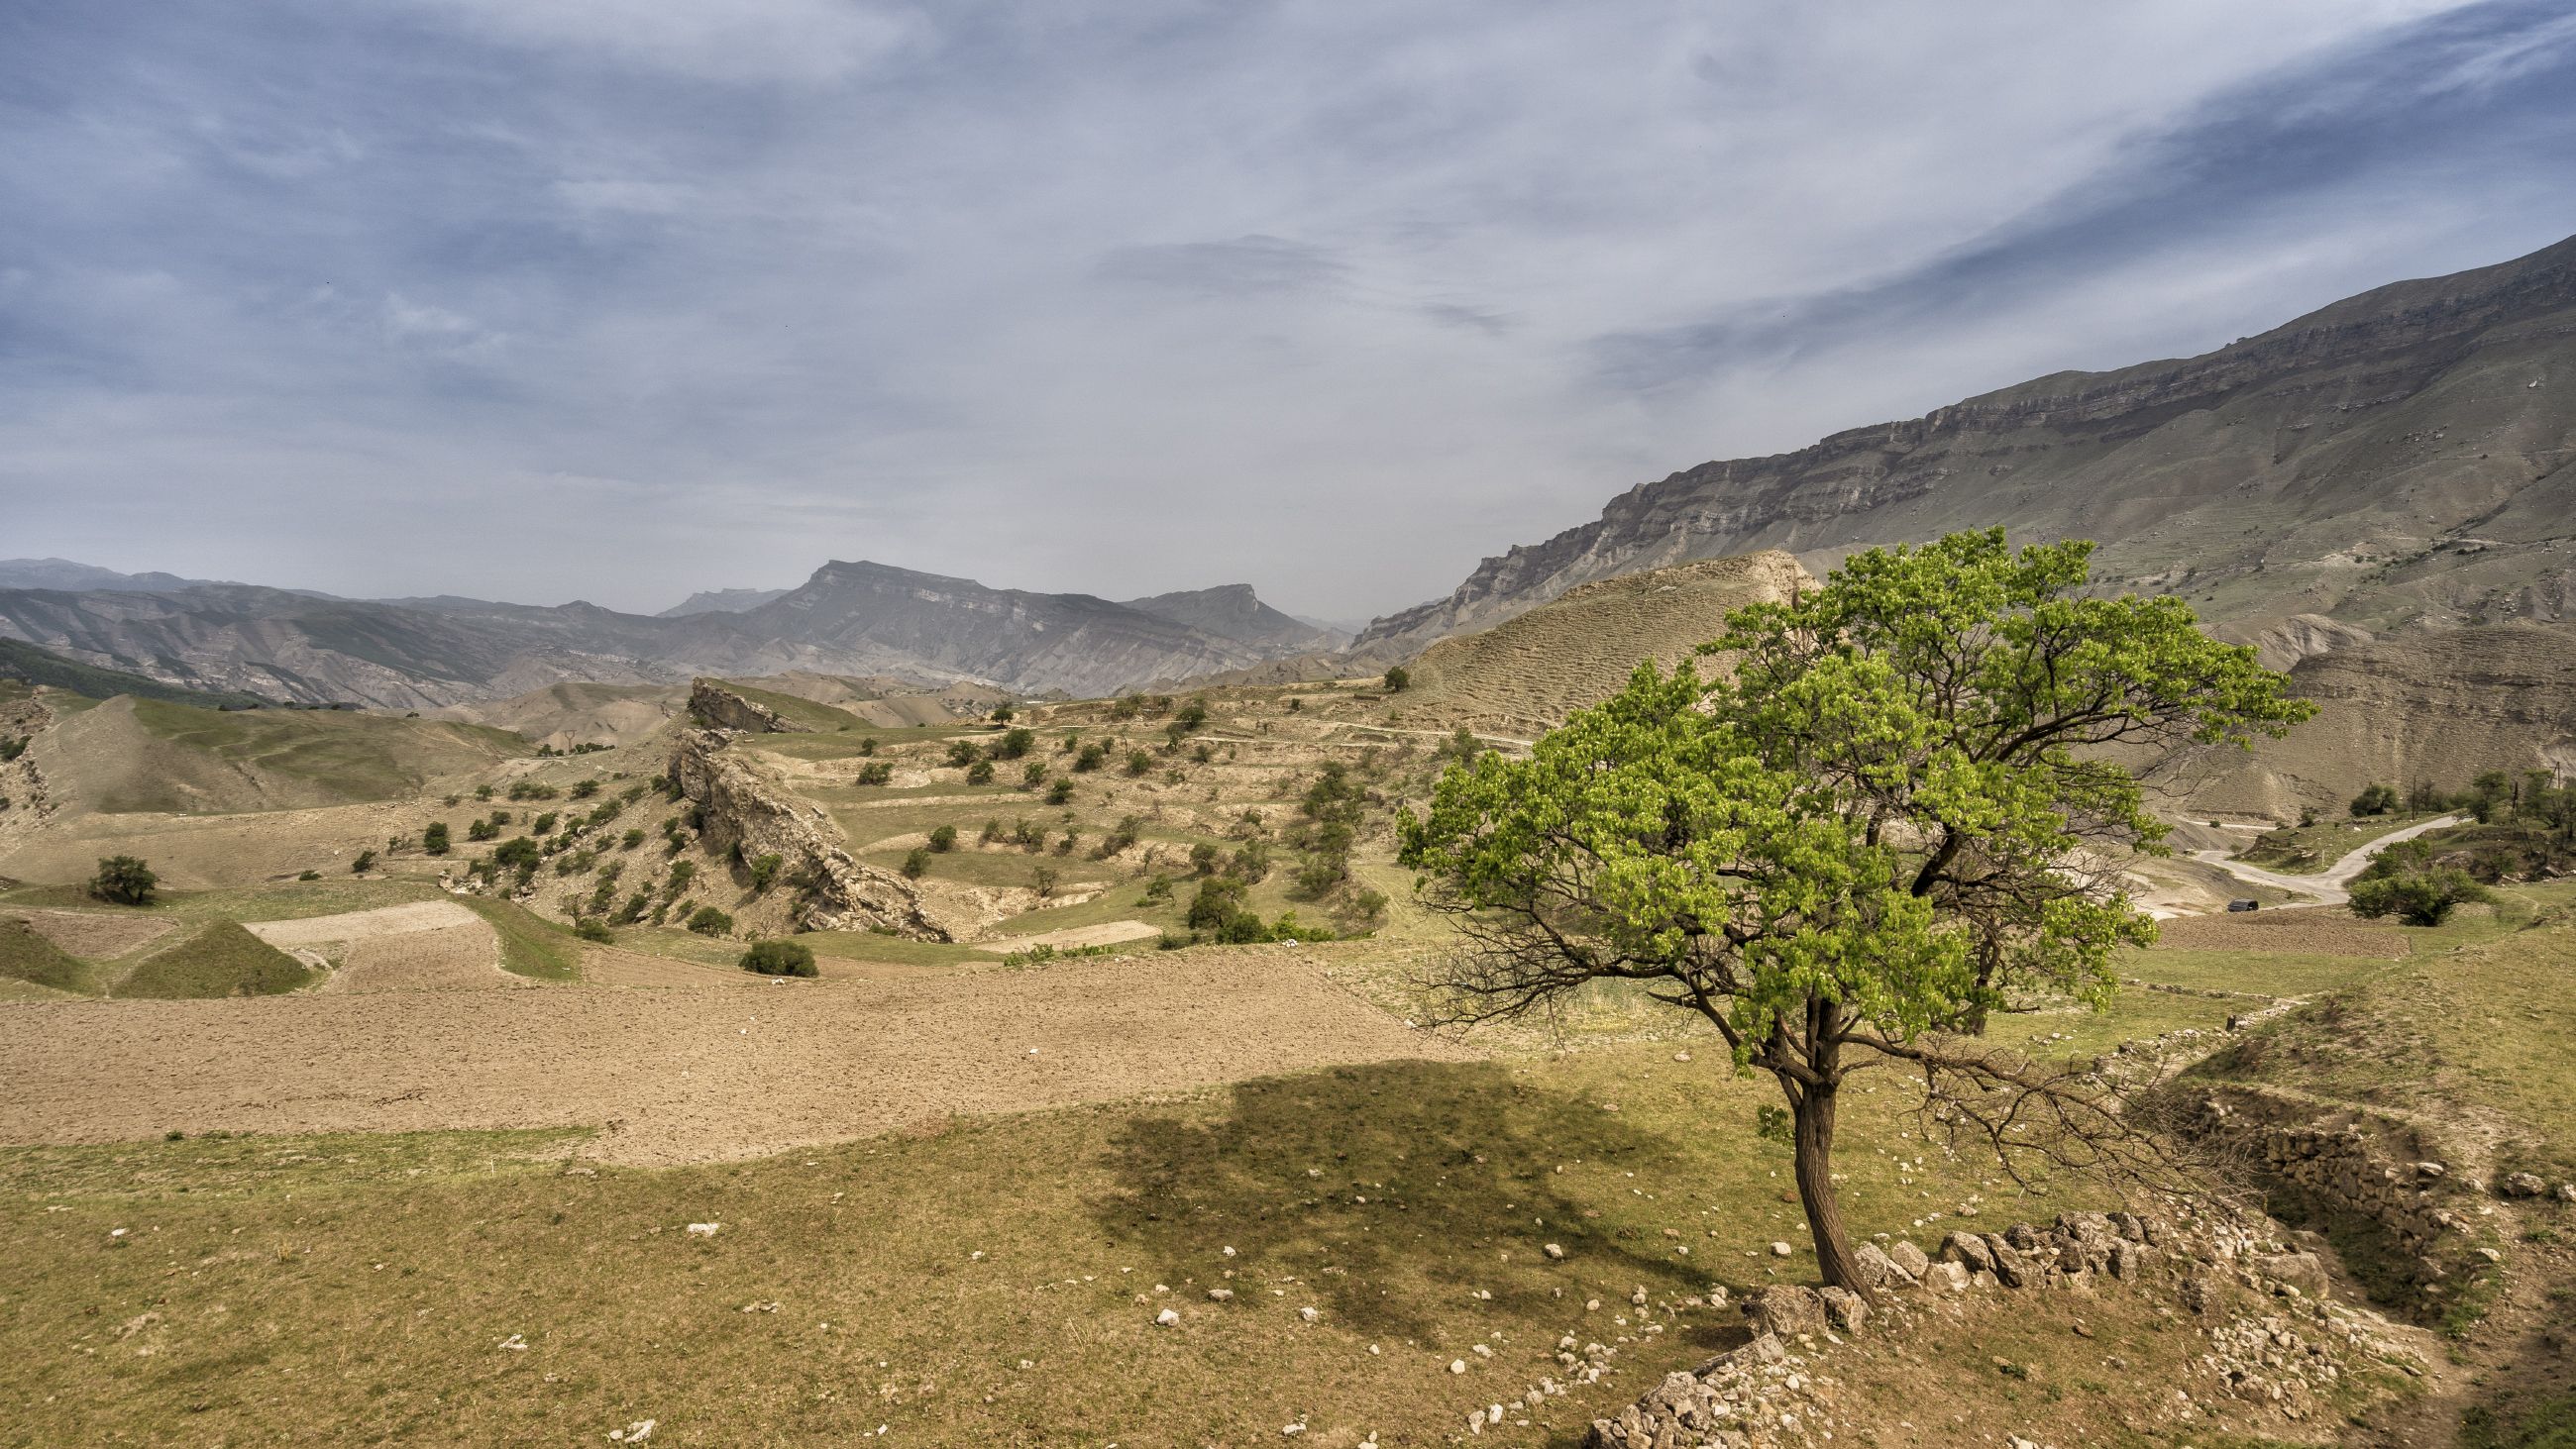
(780, 958)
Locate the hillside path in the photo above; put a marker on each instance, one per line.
(2327, 885)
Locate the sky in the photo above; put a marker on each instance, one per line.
(623, 299)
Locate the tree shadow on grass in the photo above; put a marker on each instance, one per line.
(1392, 1195)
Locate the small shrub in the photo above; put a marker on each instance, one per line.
(1091, 757)
(593, 929)
(585, 789)
(867, 746)
(944, 839)
(2374, 800)
(764, 869)
(708, 921)
(876, 772)
(1060, 793)
(310, 875)
(124, 880)
(980, 773)
(780, 958)
(962, 753)
(1139, 761)
(365, 862)
(1043, 881)
(1014, 743)
(1398, 679)
(433, 840)
(916, 863)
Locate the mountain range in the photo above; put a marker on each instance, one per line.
(2394, 462)
(422, 653)
(2397, 459)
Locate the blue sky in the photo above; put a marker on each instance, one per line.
(544, 299)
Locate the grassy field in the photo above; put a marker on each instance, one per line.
(804, 714)
(2307, 849)
(531, 945)
(331, 755)
(30, 958)
(219, 958)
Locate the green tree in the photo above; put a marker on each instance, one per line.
(124, 880)
(365, 862)
(1139, 761)
(1014, 743)
(943, 839)
(962, 753)
(594, 929)
(764, 869)
(1893, 820)
(980, 773)
(2374, 800)
(433, 840)
(916, 863)
(780, 958)
(708, 921)
(875, 772)
(1060, 793)
(2407, 881)
(1398, 680)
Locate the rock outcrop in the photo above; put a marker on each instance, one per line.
(744, 803)
(716, 707)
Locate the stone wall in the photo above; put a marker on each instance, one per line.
(2341, 1165)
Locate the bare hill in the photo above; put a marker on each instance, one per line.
(2397, 458)
(2439, 708)
(147, 755)
(565, 715)
(1233, 611)
(1530, 672)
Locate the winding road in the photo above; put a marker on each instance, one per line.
(2327, 885)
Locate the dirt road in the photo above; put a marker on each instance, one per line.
(682, 1074)
(2327, 885)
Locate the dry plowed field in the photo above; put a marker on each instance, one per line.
(2322, 932)
(681, 1075)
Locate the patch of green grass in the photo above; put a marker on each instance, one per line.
(347, 756)
(2550, 1424)
(28, 957)
(531, 945)
(2308, 849)
(2257, 973)
(220, 958)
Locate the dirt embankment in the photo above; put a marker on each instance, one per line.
(684, 1075)
(747, 804)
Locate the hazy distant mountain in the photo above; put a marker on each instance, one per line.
(2395, 459)
(1232, 611)
(720, 601)
(422, 653)
(62, 573)
(1074, 642)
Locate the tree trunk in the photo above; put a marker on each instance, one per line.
(1812, 1109)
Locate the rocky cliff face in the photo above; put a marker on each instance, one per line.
(2398, 457)
(717, 707)
(745, 804)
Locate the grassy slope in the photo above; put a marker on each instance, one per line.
(26, 956)
(20, 660)
(530, 944)
(355, 756)
(805, 714)
(220, 958)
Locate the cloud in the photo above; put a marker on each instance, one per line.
(553, 298)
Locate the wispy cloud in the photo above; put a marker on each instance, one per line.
(626, 298)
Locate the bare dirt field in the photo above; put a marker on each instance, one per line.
(364, 925)
(682, 1075)
(445, 958)
(1074, 937)
(95, 934)
(2319, 932)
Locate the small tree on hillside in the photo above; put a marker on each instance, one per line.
(1893, 820)
(2406, 881)
(2374, 800)
(1398, 679)
(124, 880)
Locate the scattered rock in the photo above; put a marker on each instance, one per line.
(1946, 1278)
(1168, 1318)
(704, 1230)
(1555, 1253)
(2521, 1184)
(1781, 1250)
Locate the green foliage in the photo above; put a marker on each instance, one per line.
(2374, 800)
(365, 862)
(543, 824)
(24, 661)
(980, 773)
(584, 789)
(480, 828)
(1462, 746)
(433, 840)
(1033, 774)
(780, 958)
(1060, 793)
(682, 873)
(11, 749)
(1193, 716)
(26, 956)
(1398, 680)
(2407, 881)
(875, 772)
(309, 875)
(1014, 743)
(516, 853)
(1043, 879)
(962, 753)
(593, 929)
(868, 746)
(1139, 762)
(916, 863)
(124, 880)
(943, 839)
(1203, 858)
(1874, 830)
(1122, 836)
(764, 869)
(1091, 757)
(531, 790)
(709, 921)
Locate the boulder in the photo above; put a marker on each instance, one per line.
(1910, 1258)
(2303, 1271)
(1786, 1311)
(1946, 1278)
(2010, 1268)
(1970, 1250)
(2521, 1184)
(1880, 1271)
(1847, 1310)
